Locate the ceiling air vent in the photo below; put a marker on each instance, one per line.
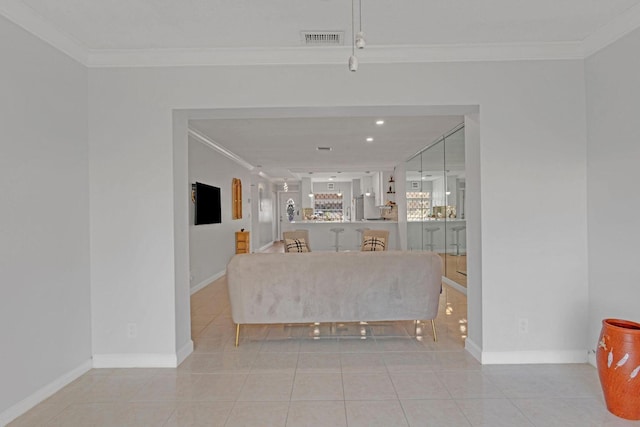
(322, 38)
(323, 148)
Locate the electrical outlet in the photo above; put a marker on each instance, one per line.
(132, 330)
(523, 326)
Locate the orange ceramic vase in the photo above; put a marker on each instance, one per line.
(618, 360)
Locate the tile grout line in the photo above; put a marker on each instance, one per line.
(393, 384)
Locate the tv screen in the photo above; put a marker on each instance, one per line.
(208, 210)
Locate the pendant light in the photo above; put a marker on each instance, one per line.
(353, 59)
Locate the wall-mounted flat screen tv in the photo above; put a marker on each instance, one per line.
(208, 209)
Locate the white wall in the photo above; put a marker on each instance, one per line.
(305, 188)
(532, 137)
(532, 124)
(474, 222)
(45, 320)
(133, 272)
(211, 246)
(613, 92)
(262, 212)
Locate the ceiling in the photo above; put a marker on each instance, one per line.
(231, 32)
(153, 24)
(288, 147)
(242, 32)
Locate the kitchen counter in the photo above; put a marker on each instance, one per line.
(320, 221)
(439, 220)
(322, 239)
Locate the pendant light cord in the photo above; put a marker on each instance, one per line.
(353, 27)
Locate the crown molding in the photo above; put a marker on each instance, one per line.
(203, 139)
(23, 16)
(619, 27)
(333, 55)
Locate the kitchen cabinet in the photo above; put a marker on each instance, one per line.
(329, 206)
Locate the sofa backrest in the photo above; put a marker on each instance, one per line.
(334, 286)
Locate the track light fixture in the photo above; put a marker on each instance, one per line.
(360, 41)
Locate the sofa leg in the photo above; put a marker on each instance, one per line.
(433, 326)
(237, 333)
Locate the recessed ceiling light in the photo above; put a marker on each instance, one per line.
(331, 178)
(379, 122)
(369, 139)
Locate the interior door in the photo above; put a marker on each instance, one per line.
(289, 209)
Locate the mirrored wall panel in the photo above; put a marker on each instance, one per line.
(436, 203)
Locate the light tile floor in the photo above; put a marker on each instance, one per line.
(329, 375)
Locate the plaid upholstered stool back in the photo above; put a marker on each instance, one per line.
(375, 240)
(296, 235)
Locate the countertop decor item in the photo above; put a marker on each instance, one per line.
(618, 361)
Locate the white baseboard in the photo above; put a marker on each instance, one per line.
(26, 404)
(207, 281)
(143, 360)
(533, 357)
(591, 359)
(184, 352)
(473, 349)
(135, 360)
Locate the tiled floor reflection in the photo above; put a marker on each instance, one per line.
(375, 374)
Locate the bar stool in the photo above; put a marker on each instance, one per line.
(430, 231)
(457, 229)
(337, 231)
(360, 235)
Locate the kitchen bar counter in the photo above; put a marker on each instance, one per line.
(322, 239)
(362, 221)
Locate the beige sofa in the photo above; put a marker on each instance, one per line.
(334, 287)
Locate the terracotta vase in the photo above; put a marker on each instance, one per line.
(618, 360)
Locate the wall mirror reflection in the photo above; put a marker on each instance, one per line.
(435, 192)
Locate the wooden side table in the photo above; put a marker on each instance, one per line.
(242, 242)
